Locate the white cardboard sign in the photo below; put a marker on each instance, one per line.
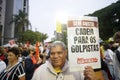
(83, 42)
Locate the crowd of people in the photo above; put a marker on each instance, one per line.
(21, 63)
(109, 59)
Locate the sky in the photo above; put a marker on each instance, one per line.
(44, 13)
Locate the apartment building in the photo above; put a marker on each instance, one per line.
(8, 8)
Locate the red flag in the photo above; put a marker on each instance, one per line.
(37, 50)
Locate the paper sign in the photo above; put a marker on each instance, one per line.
(83, 42)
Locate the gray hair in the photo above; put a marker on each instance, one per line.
(60, 43)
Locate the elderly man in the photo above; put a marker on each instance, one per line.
(57, 67)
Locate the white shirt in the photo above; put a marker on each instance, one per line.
(2, 65)
(41, 49)
(109, 56)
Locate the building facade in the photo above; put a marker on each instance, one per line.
(10, 8)
(2, 19)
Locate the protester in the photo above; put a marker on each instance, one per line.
(116, 58)
(15, 69)
(2, 65)
(45, 53)
(3, 55)
(31, 63)
(25, 51)
(109, 58)
(104, 66)
(57, 67)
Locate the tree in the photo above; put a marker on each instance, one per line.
(41, 36)
(32, 36)
(21, 22)
(109, 20)
(64, 36)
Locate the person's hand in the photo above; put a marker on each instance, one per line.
(89, 73)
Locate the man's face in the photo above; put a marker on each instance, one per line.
(58, 56)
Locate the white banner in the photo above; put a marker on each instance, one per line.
(83, 42)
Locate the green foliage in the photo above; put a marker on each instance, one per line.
(32, 37)
(64, 37)
(21, 21)
(109, 20)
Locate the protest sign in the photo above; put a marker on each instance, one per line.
(83, 42)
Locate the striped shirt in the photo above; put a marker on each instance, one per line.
(13, 73)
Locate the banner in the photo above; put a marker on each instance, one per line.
(58, 27)
(83, 42)
(37, 51)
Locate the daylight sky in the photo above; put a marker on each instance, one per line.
(44, 13)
